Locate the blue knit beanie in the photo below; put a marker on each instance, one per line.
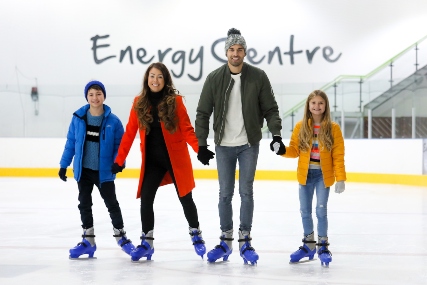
(94, 82)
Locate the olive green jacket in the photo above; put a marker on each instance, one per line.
(258, 103)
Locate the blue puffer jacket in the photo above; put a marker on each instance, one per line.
(110, 136)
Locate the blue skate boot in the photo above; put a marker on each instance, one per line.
(86, 246)
(145, 249)
(123, 241)
(308, 249)
(247, 252)
(323, 252)
(198, 242)
(224, 249)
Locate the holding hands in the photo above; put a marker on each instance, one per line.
(115, 168)
(277, 145)
(205, 155)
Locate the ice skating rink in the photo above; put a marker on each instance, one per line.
(377, 234)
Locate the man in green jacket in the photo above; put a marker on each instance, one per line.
(240, 97)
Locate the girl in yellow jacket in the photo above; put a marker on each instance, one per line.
(319, 145)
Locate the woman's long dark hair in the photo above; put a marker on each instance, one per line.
(166, 107)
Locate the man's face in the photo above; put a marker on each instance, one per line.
(235, 55)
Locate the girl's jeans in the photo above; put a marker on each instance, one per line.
(306, 193)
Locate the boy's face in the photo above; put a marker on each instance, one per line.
(95, 98)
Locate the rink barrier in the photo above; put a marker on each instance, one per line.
(277, 175)
(385, 161)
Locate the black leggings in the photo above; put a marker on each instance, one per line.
(155, 170)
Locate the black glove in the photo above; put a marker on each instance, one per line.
(61, 174)
(115, 168)
(205, 155)
(277, 145)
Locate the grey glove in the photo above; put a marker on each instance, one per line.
(339, 187)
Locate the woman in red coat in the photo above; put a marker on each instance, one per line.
(165, 129)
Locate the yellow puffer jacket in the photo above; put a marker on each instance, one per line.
(331, 162)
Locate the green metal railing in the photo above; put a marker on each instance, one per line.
(360, 78)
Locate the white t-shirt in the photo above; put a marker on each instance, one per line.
(234, 128)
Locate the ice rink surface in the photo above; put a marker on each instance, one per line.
(377, 234)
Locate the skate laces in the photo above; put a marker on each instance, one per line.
(125, 241)
(247, 244)
(323, 248)
(196, 238)
(303, 248)
(120, 234)
(143, 246)
(221, 247)
(82, 243)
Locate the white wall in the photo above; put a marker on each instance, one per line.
(51, 40)
(383, 156)
(48, 43)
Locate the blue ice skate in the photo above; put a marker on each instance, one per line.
(220, 251)
(83, 247)
(247, 252)
(303, 251)
(323, 252)
(143, 250)
(198, 242)
(126, 245)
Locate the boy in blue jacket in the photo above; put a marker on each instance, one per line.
(93, 139)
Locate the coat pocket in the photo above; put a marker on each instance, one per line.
(179, 145)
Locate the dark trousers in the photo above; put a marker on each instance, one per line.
(88, 179)
(156, 167)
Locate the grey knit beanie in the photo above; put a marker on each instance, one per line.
(234, 38)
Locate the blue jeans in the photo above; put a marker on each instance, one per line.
(306, 192)
(226, 159)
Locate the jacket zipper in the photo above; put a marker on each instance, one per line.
(99, 152)
(223, 112)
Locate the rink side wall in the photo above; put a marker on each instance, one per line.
(391, 161)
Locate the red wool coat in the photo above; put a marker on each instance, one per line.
(176, 145)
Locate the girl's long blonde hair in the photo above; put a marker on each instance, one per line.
(166, 107)
(306, 132)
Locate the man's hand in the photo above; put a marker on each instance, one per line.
(277, 145)
(205, 155)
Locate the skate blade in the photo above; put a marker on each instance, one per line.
(141, 261)
(304, 261)
(81, 258)
(218, 262)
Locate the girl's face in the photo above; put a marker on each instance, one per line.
(317, 106)
(156, 82)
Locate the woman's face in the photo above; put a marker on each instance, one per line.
(156, 82)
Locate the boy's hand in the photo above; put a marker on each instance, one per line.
(61, 174)
(115, 168)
